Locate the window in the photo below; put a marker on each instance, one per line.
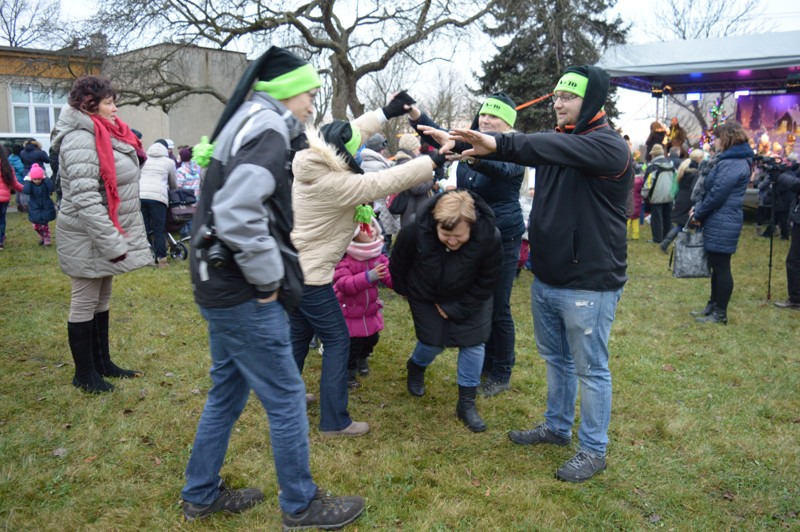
(35, 109)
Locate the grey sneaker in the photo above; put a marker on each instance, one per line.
(538, 434)
(580, 467)
(231, 501)
(491, 388)
(326, 512)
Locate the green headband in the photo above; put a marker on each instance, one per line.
(292, 83)
(500, 109)
(574, 83)
(354, 143)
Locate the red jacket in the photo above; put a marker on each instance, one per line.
(358, 298)
(5, 192)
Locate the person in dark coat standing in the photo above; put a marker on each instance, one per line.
(32, 153)
(446, 264)
(41, 209)
(721, 216)
(498, 183)
(584, 170)
(790, 181)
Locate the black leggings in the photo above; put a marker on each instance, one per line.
(721, 279)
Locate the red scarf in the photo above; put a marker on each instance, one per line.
(103, 131)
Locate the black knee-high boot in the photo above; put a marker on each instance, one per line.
(466, 410)
(415, 382)
(80, 343)
(102, 357)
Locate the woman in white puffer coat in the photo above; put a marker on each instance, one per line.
(99, 229)
(158, 178)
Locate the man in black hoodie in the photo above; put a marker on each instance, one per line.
(577, 233)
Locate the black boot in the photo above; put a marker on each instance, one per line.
(80, 343)
(705, 312)
(416, 379)
(466, 411)
(717, 316)
(102, 357)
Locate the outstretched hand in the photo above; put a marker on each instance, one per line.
(399, 105)
(442, 137)
(481, 144)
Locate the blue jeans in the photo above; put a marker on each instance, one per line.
(470, 361)
(319, 313)
(250, 350)
(571, 328)
(155, 223)
(500, 357)
(3, 210)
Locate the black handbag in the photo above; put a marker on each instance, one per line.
(690, 258)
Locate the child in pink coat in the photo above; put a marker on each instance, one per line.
(355, 282)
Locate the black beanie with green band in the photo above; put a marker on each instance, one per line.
(497, 104)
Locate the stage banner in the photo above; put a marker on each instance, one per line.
(772, 121)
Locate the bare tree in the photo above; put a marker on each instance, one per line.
(28, 22)
(355, 39)
(703, 19)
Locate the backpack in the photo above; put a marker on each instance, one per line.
(661, 185)
(398, 203)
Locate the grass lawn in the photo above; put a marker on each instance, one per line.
(704, 431)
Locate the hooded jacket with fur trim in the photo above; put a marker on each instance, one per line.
(577, 225)
(326, 192)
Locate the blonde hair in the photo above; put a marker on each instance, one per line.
(453, 208)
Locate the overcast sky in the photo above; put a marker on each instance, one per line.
(638, 109)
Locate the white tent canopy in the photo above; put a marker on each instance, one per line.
(755, 62)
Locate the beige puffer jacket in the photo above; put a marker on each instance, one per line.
(158, 175)
(326, 192)
(87, 241)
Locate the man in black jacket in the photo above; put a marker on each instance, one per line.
(790, 181)
(577, 233)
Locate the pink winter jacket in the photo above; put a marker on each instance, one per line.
(5, 193)
(362, 309)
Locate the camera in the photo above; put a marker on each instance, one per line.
(217, 253)
(770, 163)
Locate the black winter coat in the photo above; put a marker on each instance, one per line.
(683, 199)
(461, 282)
(41, 209)
(31, 155)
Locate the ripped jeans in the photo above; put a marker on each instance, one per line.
(571, 328)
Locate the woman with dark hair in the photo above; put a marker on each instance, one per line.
(656, 136)
(721, 216)
(446, 264)
(99, 227)
(8, 182)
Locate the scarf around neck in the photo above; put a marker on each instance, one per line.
(103, 131)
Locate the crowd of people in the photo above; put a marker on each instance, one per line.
(297, 227)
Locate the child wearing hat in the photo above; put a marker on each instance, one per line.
(355, 282)
(41, 209)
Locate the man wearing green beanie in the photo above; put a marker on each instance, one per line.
(579, 255)
(245, 277)
(498, 183)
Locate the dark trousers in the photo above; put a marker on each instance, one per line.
(781, 219)
(361, 348)
(763, 214)
(155, 223)
(721, 279)
(793, 265)
(660, 214)
(499, 356)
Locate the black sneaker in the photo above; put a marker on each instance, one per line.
(491, 388)
(363, 367)
(326, 512)
(231, 501)
(580, 467)
(538, 434)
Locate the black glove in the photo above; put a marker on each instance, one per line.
(438, 159)
(396, 107)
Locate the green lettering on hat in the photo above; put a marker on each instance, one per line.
(500, 109)
(572, 82)
(354, 143)
(294, 82)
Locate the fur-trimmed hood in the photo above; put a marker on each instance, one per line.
(319, 153)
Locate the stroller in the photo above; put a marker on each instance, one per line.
(182, 204)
